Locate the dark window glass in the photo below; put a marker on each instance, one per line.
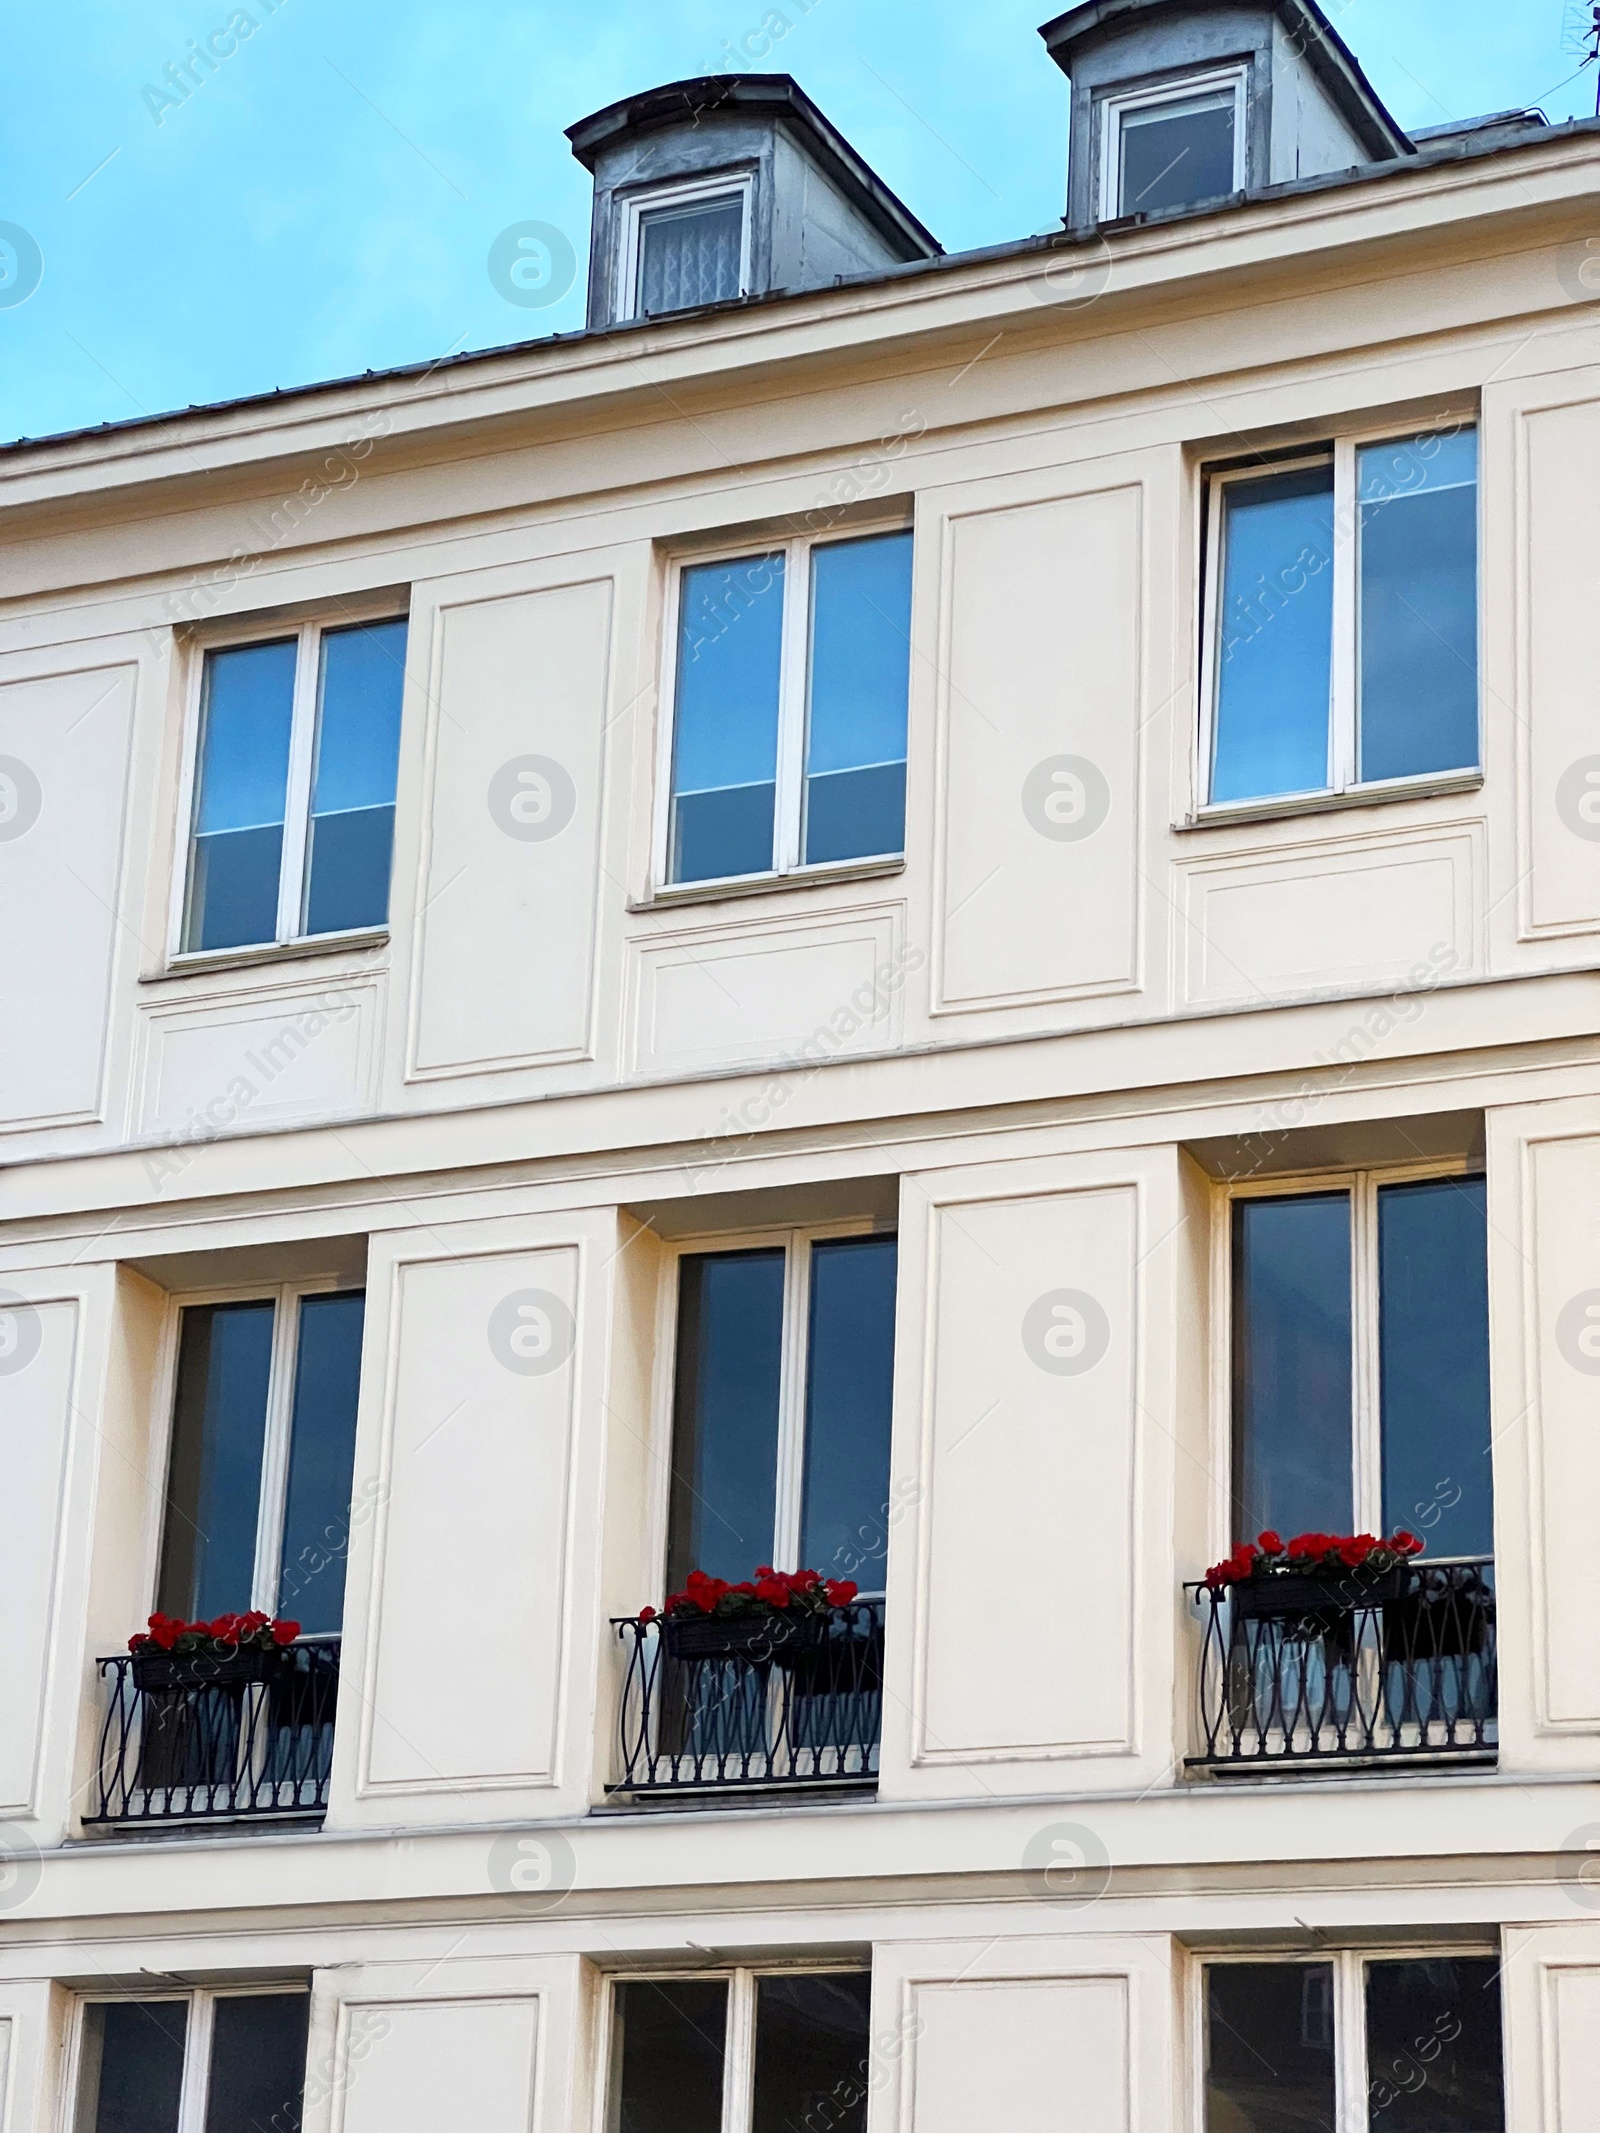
(669, 2041)
(1274, 653)
(725, 722)
(811, 2054)
(849, 1394)
(258, 2063)
(247, 710)
(130, 2075)
(208, 1547)
(322, 1444)
(1292, 1365)
(1419, 605)
(1433, 2047)
(1174, 154)
(725, 1426)
(1433, 1348)
(855, 797)
(1269, 2048)
(351, 833)
(690, 255)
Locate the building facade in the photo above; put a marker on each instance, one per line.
(931, 918)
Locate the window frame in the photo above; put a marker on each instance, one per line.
(1208, 81)
(685, 192)
(272, 1504)
(794, 676)
(201, 2002)
(796, 1240)
(739, 2063)
(1348, 1960)
(1363, 1182)
(1341, 450)
(307, 634)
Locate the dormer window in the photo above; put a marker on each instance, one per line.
(685, 245)
(1173, 146)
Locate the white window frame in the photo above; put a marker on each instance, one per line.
(201, 2003)
(790, 1492)
(1342, 451)
(307, 637)
(1114, 109)
(690, 192)
(794, 683)
(272, 1506)
(1351, 2114)
(1366, 1396)
(739, 2063)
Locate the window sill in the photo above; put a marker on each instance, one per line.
(1287, 806)
(184, 966)
(707, 892)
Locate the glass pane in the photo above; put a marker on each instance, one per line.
(1292, 1366)
(246, 713)
(1269, 2048)
(725, 1415)
(258, 2063)
(690, 255)
(1433, 1351)
(1419, 606)
(725, 743)
(1274, 651)
(849, 1394)
(860, 663)
(351, 833)
(130, 2075)
(1174, 154)
(811, 2054)
(668, 2042)
(322, 1451)
(208, 1548)
(1433, 2047)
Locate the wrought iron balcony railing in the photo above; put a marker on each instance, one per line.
(754, 1707)
(1312, 1671)
(208, 1741)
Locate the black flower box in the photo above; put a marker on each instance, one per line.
(240, 1668)
(758, 1640)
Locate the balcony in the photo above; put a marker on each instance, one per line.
(1317, 1676)
(219, 1741)
(769, 1716)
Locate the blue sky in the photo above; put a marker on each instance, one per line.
(326, 201)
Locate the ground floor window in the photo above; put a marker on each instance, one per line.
(196, 2062)
(743, 2052)
(1354, 2043)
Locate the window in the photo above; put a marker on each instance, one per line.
(790, 691)
(751, 2052)
(1342, 641)
(784, 1381)
(1401, 2044)
(1174, 146)
(1360, 1338)
(292, 819)
(684, 245)
(263, 1448)
(199, 2062)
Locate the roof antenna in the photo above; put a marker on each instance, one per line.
(1591, 49)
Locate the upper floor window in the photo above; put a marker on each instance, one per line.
(263, 1450)
(685, 245)
(784, 1385)
(292, 818)
(196, 2062)
(1342, 627)
(1173, 146)
(789, 704)
(746, 2052)
(1401, 2044)
(1360, 1343)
